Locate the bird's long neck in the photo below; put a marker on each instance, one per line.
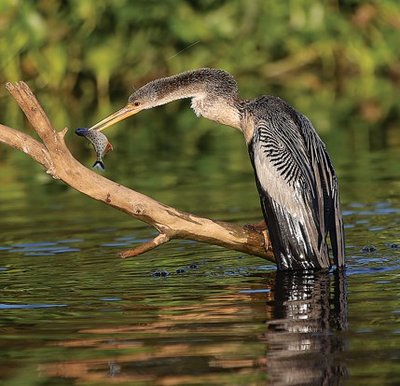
(213, 93)
(218, 110)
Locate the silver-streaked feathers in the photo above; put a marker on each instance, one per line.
(297, 186)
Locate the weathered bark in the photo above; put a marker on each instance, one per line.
(171, 223)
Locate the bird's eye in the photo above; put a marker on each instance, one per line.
(137, 103)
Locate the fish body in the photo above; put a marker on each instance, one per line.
(100, 143)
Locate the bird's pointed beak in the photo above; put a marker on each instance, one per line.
(119, 115)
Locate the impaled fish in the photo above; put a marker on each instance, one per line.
(100, 144)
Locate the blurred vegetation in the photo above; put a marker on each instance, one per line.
(337, 61)
(94, 51)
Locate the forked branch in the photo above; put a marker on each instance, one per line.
(171, 223)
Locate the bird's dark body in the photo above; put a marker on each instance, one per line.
(297, 186)
(296, 182)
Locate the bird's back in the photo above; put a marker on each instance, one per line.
(297, 185)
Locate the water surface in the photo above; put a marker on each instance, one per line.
(72, 313)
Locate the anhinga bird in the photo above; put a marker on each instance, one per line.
(296, 182)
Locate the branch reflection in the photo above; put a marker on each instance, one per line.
(309, 309)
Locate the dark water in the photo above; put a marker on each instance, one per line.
(72, 313)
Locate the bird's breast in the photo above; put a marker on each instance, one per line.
(198, 105)
(247, 127)
(217, 110)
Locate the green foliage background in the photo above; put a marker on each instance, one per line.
(89, 49)
(337, 61)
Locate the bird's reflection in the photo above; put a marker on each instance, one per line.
(304, 339)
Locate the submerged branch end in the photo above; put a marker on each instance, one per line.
(162, 238)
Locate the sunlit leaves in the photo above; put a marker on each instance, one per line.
(348, 52)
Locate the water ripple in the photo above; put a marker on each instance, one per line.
(6, 306)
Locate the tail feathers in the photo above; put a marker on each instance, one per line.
(98, 165)
(336, 231)
(336, 235)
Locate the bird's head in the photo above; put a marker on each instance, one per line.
(144, 98)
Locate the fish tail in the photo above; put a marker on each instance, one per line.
(99, 165)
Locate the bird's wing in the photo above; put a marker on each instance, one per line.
(327, 182)
(293, 178)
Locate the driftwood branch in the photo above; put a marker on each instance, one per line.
(171, 223)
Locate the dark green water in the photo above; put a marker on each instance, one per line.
(72, 313)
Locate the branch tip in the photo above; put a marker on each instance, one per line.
(162, 238)
(63, 132)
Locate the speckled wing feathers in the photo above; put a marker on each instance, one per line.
(297, 185)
